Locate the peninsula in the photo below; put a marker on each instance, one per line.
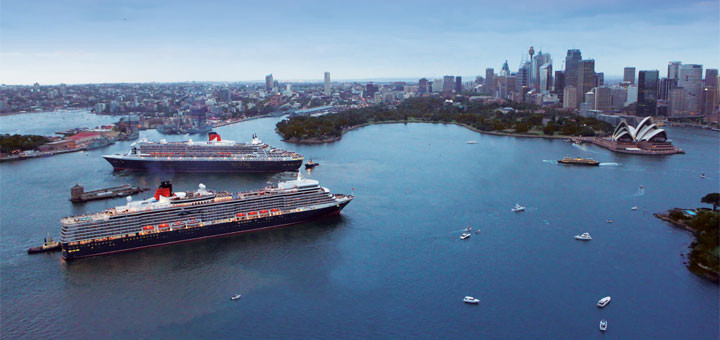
(704, 223)
(511, 118)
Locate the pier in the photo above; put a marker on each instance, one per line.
(78, 194)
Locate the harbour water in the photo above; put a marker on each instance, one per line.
(391, 266)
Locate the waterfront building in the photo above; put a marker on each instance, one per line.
(603, 99)
(629, 75)
(269, 82)
(677, 100)
(647, 93)
(570, 97)
(690, 78)
(327, 83)
(709, 100)
(586, 77)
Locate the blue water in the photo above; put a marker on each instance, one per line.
(391, 266)
(47, 123)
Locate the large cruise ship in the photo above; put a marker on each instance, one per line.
(213, 155)
(172, 217)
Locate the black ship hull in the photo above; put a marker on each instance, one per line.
(70, 252)
(123, 163)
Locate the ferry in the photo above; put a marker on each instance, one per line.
(579, 161)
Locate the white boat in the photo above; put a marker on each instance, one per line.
(634, 208)
(235, 297)
(583, 237)
(471, 300)
(472, 142)
(464, 236)
(603, 302)
(468, 228)
(603, 325)
(609, 221)
(702, 175)
(517, 208)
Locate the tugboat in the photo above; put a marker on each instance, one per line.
(310, 164)
(579, 161)
(48, 245)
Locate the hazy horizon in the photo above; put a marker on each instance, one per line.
(80, 42)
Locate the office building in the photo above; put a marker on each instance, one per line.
(570, 97)
(423, 86)
(448, 84)
(673, 68)
(690, 78)
(546, 78)
(711, 77)
(269, 82)
(585, 77)
(629, 75)
(603, 99)
(327, 83)
(572, 61)
(489, 85)
(647, 93)
(458, 84)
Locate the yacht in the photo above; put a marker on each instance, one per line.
(465, 236)
(609, 221)
(702, 175)
(603, 302)
(471, 300)
(235, 297)
(517, 208)
(603, 325)
(634, 208)
(472, 142)
(583, 237)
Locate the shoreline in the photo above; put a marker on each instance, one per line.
(703, 272)
(494, 133)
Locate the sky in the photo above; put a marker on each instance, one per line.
(73, 42)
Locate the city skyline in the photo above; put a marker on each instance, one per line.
(54, 43)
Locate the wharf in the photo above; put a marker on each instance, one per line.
(78, 194)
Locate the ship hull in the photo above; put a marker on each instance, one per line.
(579, 163)
(137, 164)
(196, 233)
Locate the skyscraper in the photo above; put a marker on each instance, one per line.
(546, 78)
(458, 84)
(711, 76)
(327, 83)
(647, 93)
(603, 99)
(599, 79)
(673, 68)
(629, 75)
(690, 78)
(569, 97)
(269, 82)
(423, 86)
(585, 77)
(571, 67)
(489, 81)
(709, 100)
(559, 84)
(448, 84)
(505, 69)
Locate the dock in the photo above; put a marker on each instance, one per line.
(78, 193)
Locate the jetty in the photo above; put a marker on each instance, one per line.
(78, 193)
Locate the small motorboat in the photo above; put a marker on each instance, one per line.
(477, 231)
(471, 300)
(641, 187)
(608, 221)
(235, 297)
(517, 208)
(603, 302)
(465, 236)
(603, 325)
(583, 237)
(702, 175)
(310, 164)
(634, 208)
(472, 142)
(468, 228)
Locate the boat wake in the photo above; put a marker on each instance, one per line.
(609, 164)
(549, 161)
(639, 192)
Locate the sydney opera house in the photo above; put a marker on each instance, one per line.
(646, 138)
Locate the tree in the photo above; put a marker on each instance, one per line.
(521, 127)
(712, 198)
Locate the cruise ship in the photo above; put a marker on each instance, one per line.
(172, 217)
(213, 155)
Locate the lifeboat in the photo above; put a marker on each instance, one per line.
(252, 213)
(241, 215)
(264, 211)
(274, 210)
(164, 225)
(148, 227)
